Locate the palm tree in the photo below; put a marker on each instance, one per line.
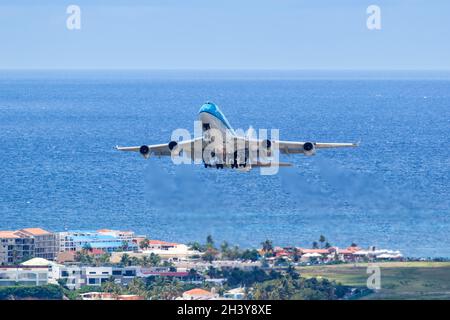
(210, 255)
(144, 244)
(267, 246)
(125, 259)
(296, 254)
(195, 246)
(145, 261)
(154, 259)
(87, 247)
(209, 241)
(137, 286)
(134, 261)
(225, 249)
(322, 239)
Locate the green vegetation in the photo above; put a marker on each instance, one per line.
(296, 288)
(226, 252)
(46, 292)
(399, 280)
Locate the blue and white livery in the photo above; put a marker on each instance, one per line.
(221, 147)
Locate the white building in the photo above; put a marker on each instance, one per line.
(235, 294)
(24, 275)
(108, 241)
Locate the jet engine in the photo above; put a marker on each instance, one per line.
(309, 149)
(144, 151)
(172, 145)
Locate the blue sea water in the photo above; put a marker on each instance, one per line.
(59, 169)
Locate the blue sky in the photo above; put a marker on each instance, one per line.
(225, 34)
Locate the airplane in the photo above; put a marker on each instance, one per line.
(220, 146)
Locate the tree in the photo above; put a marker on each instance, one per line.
(322, 239)
(87, 247)
(84, 257)
(144, 244)
(135, 261)
(154, 259)
(111, 287)
(225, 249)
(125, 245)
(327, 245)
(267, 247)
(252, 255)
(210, 254)
(102, 259)
(125, 260)
(195, 246)
(209, 241)
(315, 245)
(353, 245)
(137, 286)
(296, 255)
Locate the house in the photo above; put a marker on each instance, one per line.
(169, 250)
(71, 275)
(24, 275)
(95, 276)
(307, 255)
(109, 296)
(235, 294)
(199, 294)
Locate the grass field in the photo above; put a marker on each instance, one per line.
(399, 280)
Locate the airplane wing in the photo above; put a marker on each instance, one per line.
(163, 149)
(289, 147)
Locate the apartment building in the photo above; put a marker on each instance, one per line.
(15, 246)
(107, 241)
(19, 245)
(45, 245)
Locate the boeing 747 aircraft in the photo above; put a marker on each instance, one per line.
(221, 147)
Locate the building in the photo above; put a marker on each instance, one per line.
(109, 296)
(109, 241)
(45, 245)
(15, 246)
(128, 236)
(235, 294)
(199, 294)
(71, 275)
(24, 275)
(170, 251)
(19, 245)
(95, 276)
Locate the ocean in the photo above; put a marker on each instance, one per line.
(59, 169)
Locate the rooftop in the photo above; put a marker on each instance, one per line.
(36, 231)
(162, 243)
(197, 292)
(9, 234)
